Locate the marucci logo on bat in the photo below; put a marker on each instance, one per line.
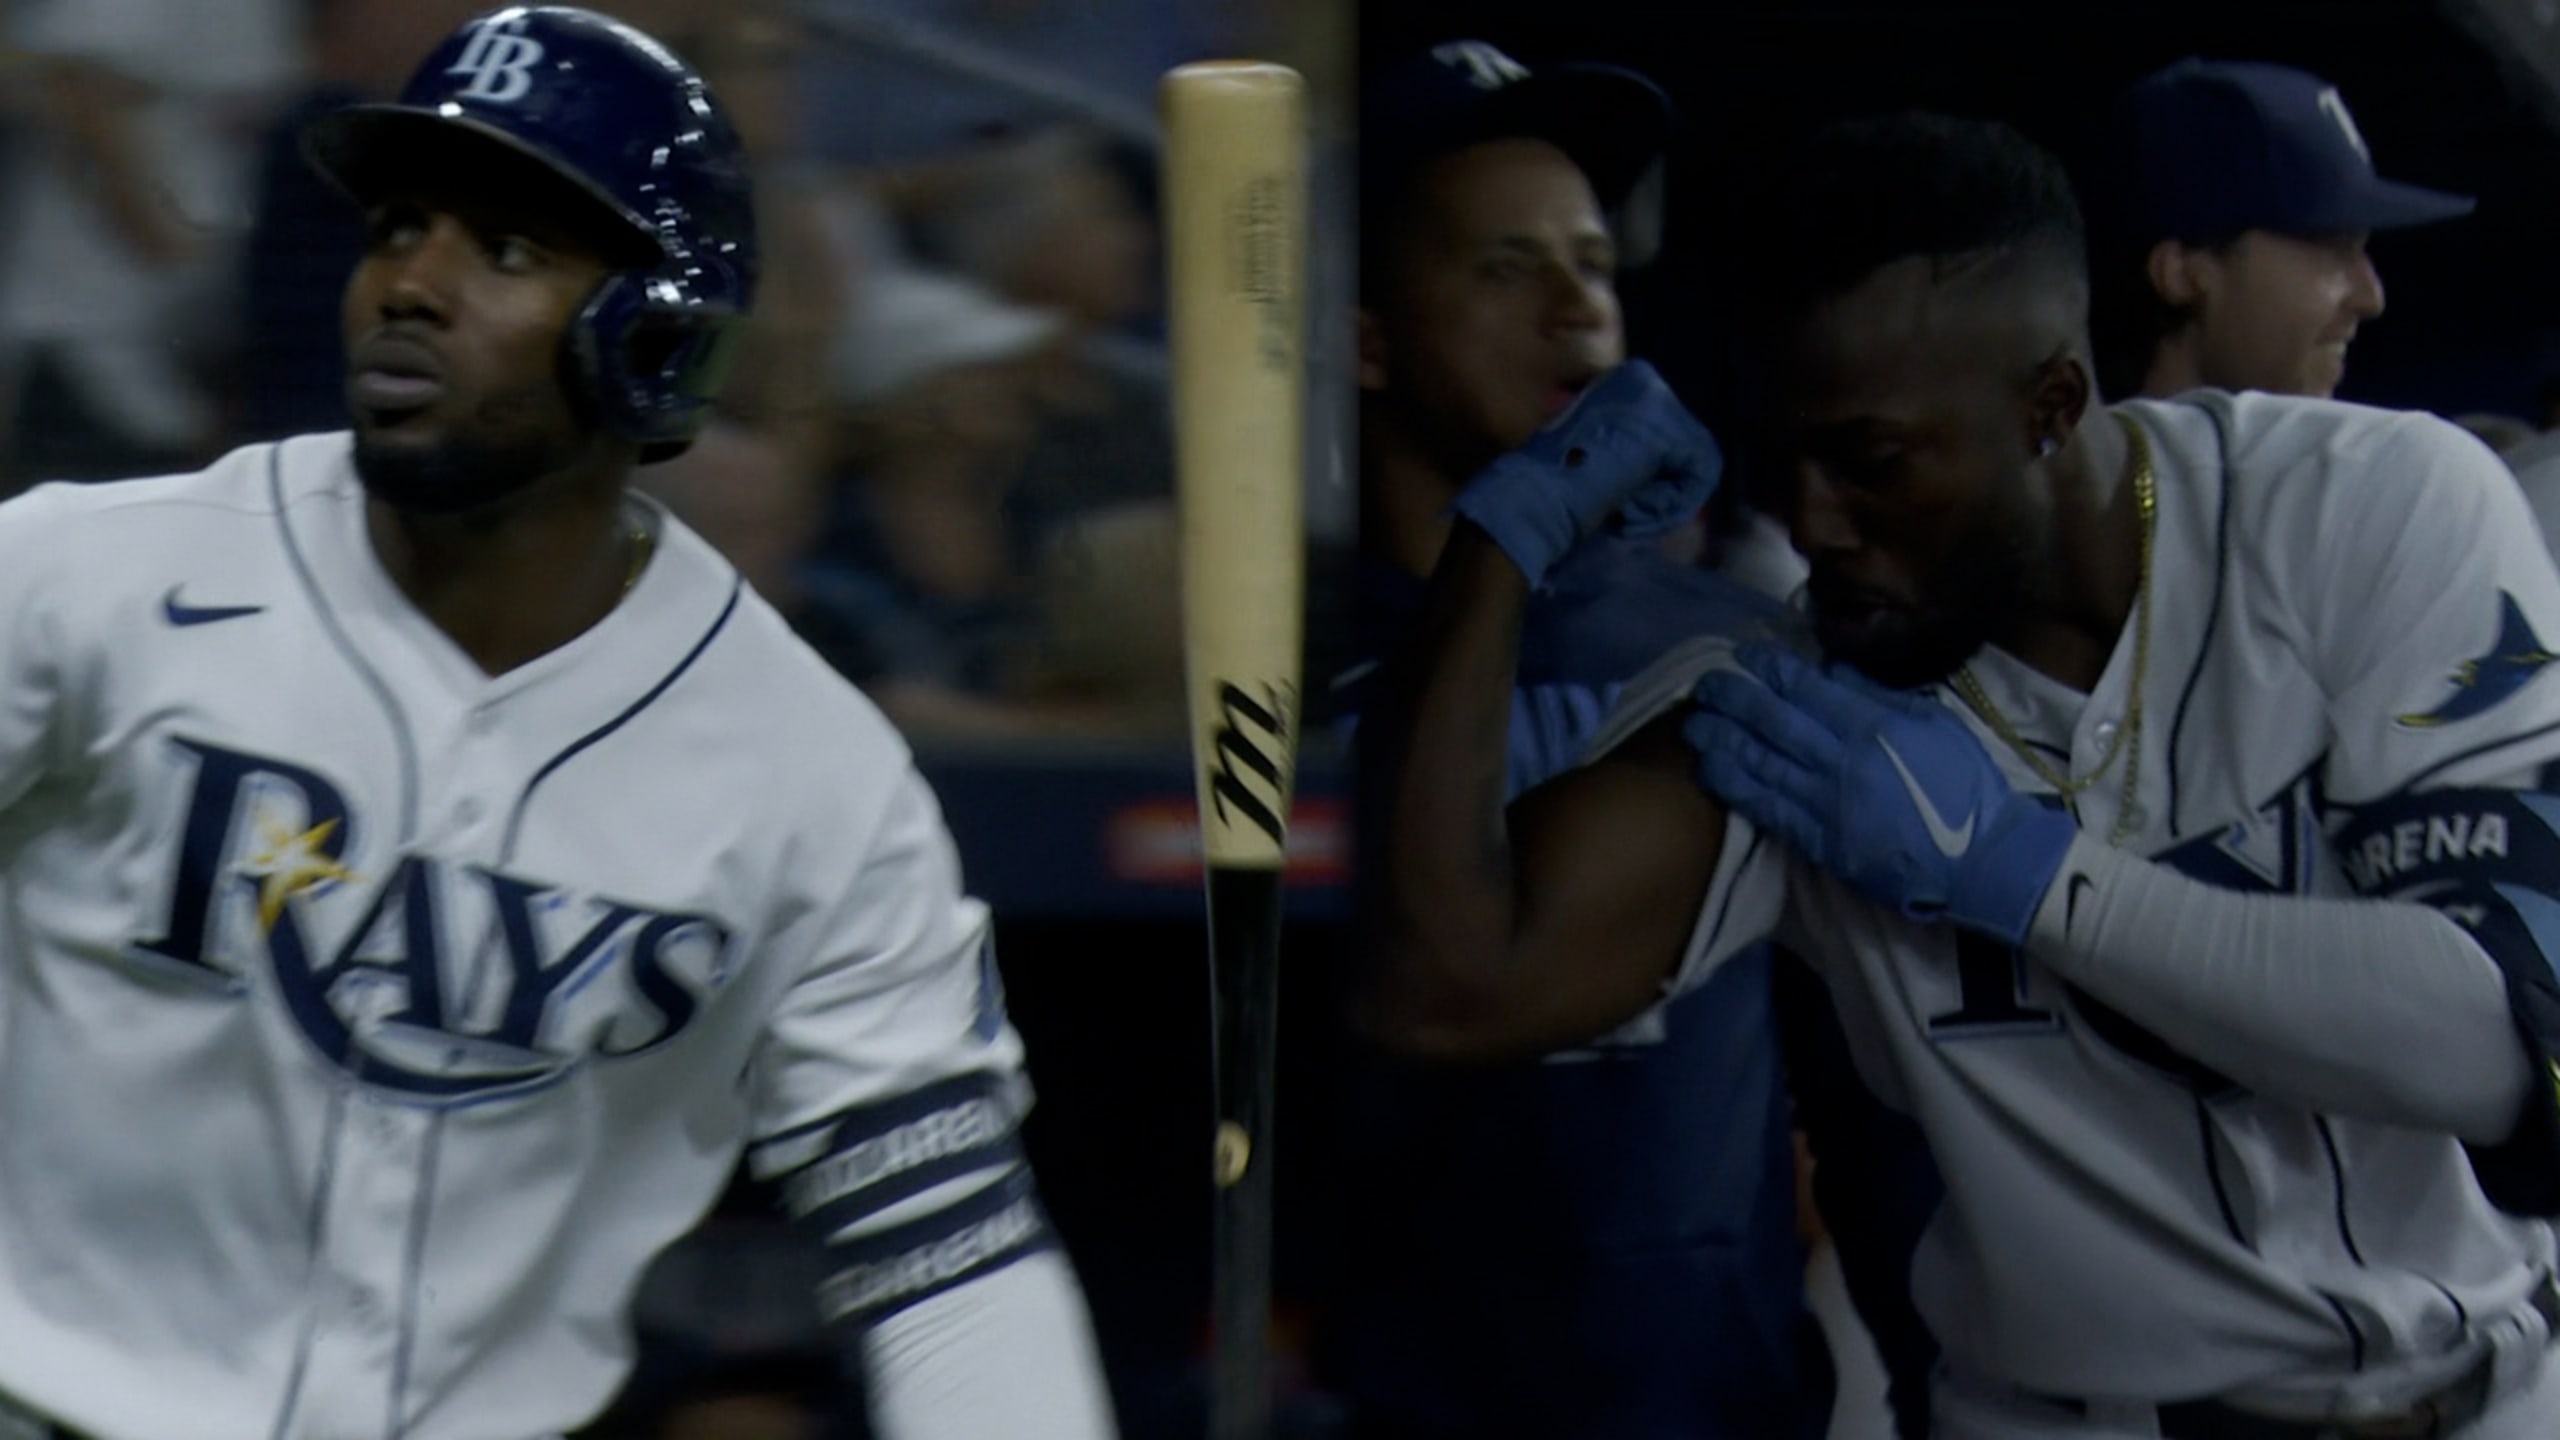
(1254, 741)
(1260, 230)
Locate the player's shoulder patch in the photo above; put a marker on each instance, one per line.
(2478, 683)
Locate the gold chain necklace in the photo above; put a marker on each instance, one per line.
(641, 543)
(2146, 500)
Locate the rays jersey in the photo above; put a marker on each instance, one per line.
(2351, 608)
(367, 1023)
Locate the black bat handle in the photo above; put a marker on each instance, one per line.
(1244, 962)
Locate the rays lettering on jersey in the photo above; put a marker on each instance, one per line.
(451, 981)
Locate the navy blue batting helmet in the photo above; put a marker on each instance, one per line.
(627, 124)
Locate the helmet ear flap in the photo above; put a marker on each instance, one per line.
(648, 364)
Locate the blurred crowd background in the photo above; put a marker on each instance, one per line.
(946, 456)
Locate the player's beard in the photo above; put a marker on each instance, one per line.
(1977, 586)
(464, 472)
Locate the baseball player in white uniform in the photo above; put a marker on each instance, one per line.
(2193, 884)
(425, 869)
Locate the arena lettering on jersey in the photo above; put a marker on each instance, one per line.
(2460, 836)
(865, 1287)
(549, 980)
(2414, 845)
(898, 1267)
(973, 1128)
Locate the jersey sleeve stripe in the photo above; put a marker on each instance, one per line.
(2490, 860)
(787, 1150)
(838, 1218)
(845, 1170)
(524, 801)
(878, 1275)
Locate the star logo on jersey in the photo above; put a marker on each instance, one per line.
(292, 863)
(2480, 684)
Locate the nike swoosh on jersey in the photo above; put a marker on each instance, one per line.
(182, 614)
(1951, 840)
(2071, 901)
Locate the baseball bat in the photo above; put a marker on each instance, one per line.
(1235, 226)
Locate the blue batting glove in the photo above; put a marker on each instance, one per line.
(1885, 789)
(1625, 447)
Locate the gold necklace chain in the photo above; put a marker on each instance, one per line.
(641, 544)
(2146, 500)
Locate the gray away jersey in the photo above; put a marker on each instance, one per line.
(2350, 605)
(367, 1024)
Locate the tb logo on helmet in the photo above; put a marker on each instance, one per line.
(499, 62)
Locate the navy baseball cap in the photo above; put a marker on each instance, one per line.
(2203, 150)
(1614, 123)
